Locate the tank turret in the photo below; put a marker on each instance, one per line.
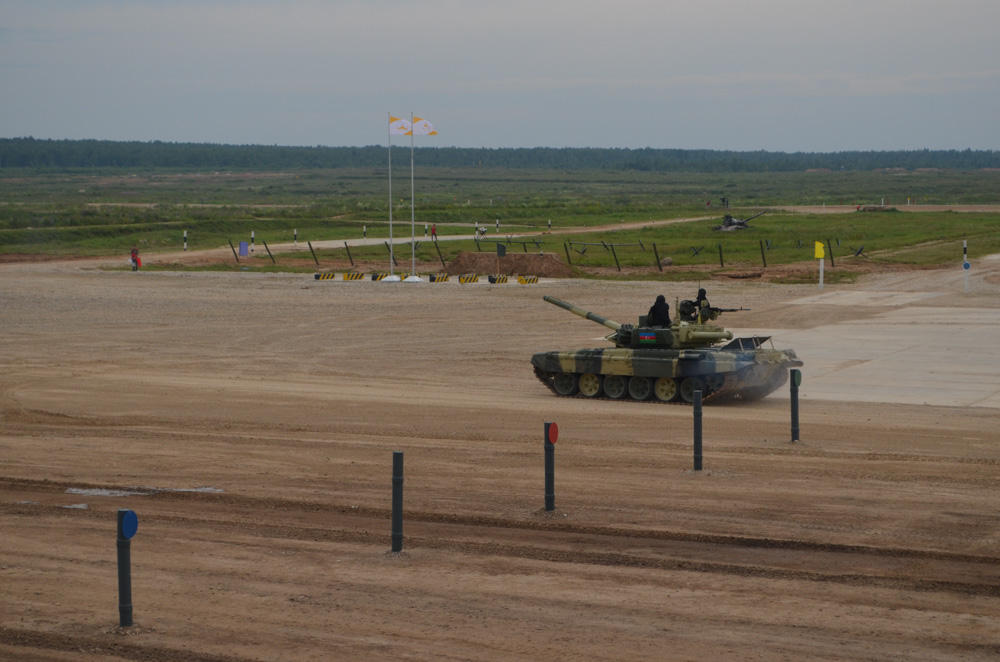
(680, 335)
(665, 363)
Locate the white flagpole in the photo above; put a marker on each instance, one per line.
(388, 131)
(413, 246)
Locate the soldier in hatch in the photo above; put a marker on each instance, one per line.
(659, 313)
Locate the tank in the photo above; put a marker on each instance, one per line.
(666, 364)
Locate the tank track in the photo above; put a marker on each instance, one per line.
(737, 386)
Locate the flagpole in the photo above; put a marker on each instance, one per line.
(413, 235)
(388, 136)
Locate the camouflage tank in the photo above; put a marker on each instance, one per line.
(666, 363)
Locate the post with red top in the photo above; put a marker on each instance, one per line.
(551, 435)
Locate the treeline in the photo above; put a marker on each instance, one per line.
(71, 154)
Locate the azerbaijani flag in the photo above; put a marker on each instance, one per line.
(647, 336)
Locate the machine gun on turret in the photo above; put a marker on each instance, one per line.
(688, 311)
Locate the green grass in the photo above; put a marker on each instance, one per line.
(108, 212)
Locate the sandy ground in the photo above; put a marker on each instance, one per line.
(250, 421)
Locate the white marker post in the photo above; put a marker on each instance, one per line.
(820, 254)
(966, 267)
(251, 241)
(185, 240)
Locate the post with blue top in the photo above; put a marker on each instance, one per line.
(397, 501)
(697, 430)
(965, 262)
(551, 435)
(128, 524)
(795, 382)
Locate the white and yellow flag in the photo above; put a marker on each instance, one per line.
(398, 127)
(422, 127)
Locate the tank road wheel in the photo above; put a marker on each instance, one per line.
(590, 385)
(715, 382)
(614, 386)
(665, 389)
(689, 386)
(639, 388)
(565, 383)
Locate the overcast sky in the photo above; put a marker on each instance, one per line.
(786, 75)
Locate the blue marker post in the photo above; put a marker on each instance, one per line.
(128, 524)
(965, 262)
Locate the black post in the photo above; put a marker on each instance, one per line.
(392, 253)
(762, 257)
(615, 255)
(313, 252)
(697, 430)
(721, 263)
(566, 248)
(830, 251)
(234, 251)
(348, 249)
(656, 254)
(440, 257)
(795, 381)
(126, 529)
(397, 501)
(268, 251)
(550, 462)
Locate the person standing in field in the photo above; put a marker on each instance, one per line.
(134, 258)
(434, 231)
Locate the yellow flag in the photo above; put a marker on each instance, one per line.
(820, 253)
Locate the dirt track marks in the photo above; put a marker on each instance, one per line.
(547, 539)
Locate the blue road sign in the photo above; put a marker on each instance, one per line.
(966, 266)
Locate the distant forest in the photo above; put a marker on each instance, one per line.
(72, 154)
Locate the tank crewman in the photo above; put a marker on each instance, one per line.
(659, 313)
(702, 306)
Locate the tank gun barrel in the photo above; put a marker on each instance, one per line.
(576, 310)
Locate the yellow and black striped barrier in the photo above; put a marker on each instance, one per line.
(499, 278)
(439, 278)
(527, 280)
(327, 276)
(379, 276)
(353, 276)
(468, 278)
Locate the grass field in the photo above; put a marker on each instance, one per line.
(107, 212)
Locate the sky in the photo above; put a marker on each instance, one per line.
(777, 75)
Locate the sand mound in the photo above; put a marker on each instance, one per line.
(524, 264)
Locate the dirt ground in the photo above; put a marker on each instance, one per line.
(250, 422)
